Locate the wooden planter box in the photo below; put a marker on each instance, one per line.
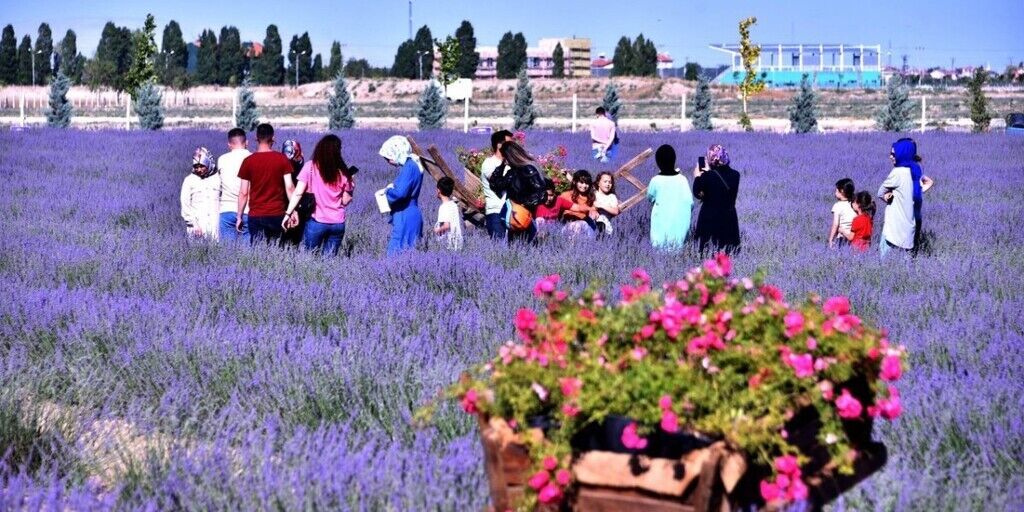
(715, 478)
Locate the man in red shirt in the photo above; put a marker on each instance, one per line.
(553, 206)
(266, 186)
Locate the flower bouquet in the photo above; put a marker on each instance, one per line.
(552, 164)
(708, 378)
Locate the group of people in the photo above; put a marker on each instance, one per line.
(902, 192)
(283, 198)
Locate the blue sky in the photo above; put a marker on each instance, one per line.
(931, 32)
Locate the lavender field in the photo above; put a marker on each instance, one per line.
(259, 379)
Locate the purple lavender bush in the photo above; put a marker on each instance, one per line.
(274, 378)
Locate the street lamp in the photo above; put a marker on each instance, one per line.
(297, 55)
(419, 58)
(34, 65)
(167, 59)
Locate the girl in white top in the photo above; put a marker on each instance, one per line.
(842, 212)
(200, 196)
(605, 200)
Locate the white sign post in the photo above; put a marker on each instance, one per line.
(127, 115)
(682, 112)
(923, 109)
(22, 109)
(461, 89)
(465, 115)
(234, 107)
(574, 112)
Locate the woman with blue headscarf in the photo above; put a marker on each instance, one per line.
(403, 195)
(903, 192)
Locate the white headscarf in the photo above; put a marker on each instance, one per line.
(398, 150)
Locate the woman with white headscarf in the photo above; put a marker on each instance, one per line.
(200, 196)
(403, 195)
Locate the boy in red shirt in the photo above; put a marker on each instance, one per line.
(553, 206)
(266, 186)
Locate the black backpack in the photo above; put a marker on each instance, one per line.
(531, 186)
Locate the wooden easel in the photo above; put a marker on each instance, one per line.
(625, 173)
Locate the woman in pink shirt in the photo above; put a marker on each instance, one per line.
(330, 181)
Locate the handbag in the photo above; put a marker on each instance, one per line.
(516, 216)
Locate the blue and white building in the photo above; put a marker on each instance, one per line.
(829, 65)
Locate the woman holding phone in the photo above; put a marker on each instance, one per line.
(716, 185)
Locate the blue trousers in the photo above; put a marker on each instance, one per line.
(325, 237)
(227, 227)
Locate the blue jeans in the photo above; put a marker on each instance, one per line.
(496, 226)
(227, 227)
(323, 236)
(612, 151)
(266, 229)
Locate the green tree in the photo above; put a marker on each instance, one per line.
(405, 61)
(335, 65)
(451, 55)
(248, 114)
(44, 54)
(424, 45)
(433, 107)
(8, 57)
(691, 71)
(469, 58)
(750, 85)
(980, 115)
(147, 106)
(300, 55)
(59, 115)
(523, 112)
(113, 58)
(144, 50)
(505, 67)
(25, 61)
(895, 115)
(269, 67)
(700, 113)
(230, 57)
(611, 101)
(340, 112)
(173, 58)
(318, 68)
(70, 62)
(645, 57)
(518, 53)
(623, 59)
(206, 58)
(558, 62)
(802, 115)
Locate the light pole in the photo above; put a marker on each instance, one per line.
(297, 56)
(419, 58)
(34, 65)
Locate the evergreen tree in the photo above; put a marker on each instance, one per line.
(206, 58)
(623, 59)
(147, 106)
(424, 45)
(248, 115)
(691, 71)
(71, 62)
(8, 57)
(518, 58)
(340, 112)
(895, 116)
(645, 57)
(336, 63)
(405, 61)
(173, 58)
(230, 57)
(700, 113)
(558, 62)
(469, 59)
(318, 68)
(113, 58)
(611, 101)
(269, 67)
(144, 49)
(300, 54)
(506, 69)
(59, 115)
(979, 104)
(802, 116)
(433, 107)
(523, 112)
(25, 61)
(44, 54)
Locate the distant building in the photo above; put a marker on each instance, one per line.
(666, 66)
(539, 61)
(602, 66)
(252, 49)
(829, 65)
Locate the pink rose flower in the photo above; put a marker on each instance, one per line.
(630, 439)
(551, 493)
(563, 477)
(811, 343)
(892, 368)
(570, 410)
(797, 491)
(538, 480)
(770, 491)
(570, 386)
(469, 401)
(836, 306)
(787, 465)
(550, 463)
(665, 402)
(794, 322)
(669, 422)
(849, 407)
(802, 364)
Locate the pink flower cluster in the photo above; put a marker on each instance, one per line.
(469, 402)
(550, 488)
(840, 320)
(669, 420)
(547, 288)
(631, 293)
(630, 439)
(570, 387)
(787, 485)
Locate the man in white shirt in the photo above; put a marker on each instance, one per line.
(229, 164)
(493, 203)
